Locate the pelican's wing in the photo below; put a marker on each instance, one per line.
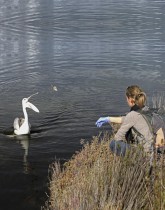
(17, 123)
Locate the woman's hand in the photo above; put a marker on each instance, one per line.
(102, 120)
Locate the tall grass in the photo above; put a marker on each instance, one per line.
(158, 100)
(95, 179)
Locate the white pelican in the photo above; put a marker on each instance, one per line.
(21, 125)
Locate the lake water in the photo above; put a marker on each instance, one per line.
(91, 50)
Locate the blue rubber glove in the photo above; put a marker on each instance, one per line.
(102, 120)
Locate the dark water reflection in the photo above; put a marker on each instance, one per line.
(91, 50)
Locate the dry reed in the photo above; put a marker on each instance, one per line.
(95, 179)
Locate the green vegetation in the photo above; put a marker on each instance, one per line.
(95, 179)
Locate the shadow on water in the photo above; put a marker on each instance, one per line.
(24, 141)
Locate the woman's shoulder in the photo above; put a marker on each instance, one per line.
(132, 116)
(133, 113)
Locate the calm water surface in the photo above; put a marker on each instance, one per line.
(91, 50)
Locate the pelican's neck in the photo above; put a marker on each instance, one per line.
(25, 114)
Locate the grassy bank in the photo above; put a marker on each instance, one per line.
(95, 179)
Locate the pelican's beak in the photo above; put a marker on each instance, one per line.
(31, 106)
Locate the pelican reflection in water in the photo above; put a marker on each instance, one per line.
(24, 141)
(21, 125)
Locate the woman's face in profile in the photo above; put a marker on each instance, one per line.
(130, 101)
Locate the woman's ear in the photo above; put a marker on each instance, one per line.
(132, 101)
